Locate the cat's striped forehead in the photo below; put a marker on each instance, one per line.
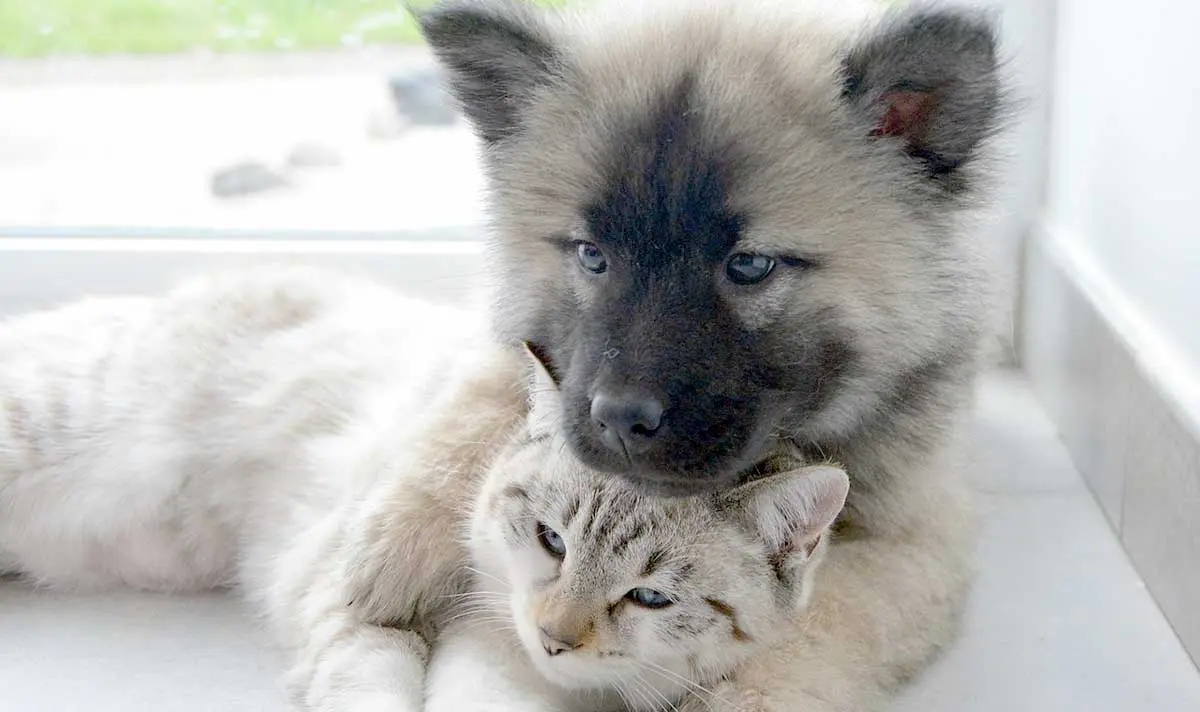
(607, 512)
(619, 523)
(615, 532)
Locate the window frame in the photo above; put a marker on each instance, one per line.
(44, 268)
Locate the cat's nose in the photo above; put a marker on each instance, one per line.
(556, 643)
(627, 419)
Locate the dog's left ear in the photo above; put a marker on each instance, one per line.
(496, 54)
(929, 76)
(545, 397)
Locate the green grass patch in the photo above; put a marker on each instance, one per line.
(39, 28)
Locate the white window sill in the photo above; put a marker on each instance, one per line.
(49, 268)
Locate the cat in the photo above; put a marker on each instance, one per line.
(375, 478)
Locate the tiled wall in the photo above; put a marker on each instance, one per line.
(1132, 440)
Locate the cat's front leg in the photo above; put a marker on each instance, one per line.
(341, 660)
(343, 663)
(361, 668)
(884, 605)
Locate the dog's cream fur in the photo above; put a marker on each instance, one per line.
(789, 104)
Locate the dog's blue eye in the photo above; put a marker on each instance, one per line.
(744, 268)
(649, 598)
(551, 541)
(591, 258)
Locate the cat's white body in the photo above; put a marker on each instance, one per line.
(115, 473)
(199, 439)
(342, 454)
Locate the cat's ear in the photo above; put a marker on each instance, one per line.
(792, 510)
(496, 53)
(545, 397)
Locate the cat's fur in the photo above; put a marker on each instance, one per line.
(634, 149)
(341, 454)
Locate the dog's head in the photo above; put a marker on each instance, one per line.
(726, 223)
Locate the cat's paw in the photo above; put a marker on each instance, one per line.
(725, 696)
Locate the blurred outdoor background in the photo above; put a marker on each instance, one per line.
(212, 115)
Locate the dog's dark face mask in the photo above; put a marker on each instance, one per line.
(663, 384)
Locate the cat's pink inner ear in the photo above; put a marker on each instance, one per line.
(811, 546)
(907, 114)
(543, 370)
(823, 497)
(804, 545)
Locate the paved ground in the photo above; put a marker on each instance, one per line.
(133, 143)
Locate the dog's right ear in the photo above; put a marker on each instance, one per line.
(545, 397)
(928, 78)
(496, 54)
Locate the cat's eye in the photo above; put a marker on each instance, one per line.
(649, 598)
(744, 268)
(591, 258)
(551, 541)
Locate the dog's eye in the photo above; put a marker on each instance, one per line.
(649, 598)
(551, 541)
(745, 268)
(591, 258)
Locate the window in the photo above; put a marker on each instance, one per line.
(145, 139)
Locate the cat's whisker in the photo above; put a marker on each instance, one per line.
(477, 602)
(463, 614)
(478, 607)
(619, 687)
(651, 694)
(669, 674)
(494, 623)
(661, 696)
(638, 687)
(494, 627)
(486, 575)
(480, 611)
(507, 622)
(469, 595)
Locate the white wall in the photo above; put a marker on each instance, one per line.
(1111, 301)
(1124, 181)
(1027, 41)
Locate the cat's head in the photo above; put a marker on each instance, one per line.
(605, 583)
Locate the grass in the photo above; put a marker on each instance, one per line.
(40, 28)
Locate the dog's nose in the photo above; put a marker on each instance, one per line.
(627, 419)
(556, 644)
